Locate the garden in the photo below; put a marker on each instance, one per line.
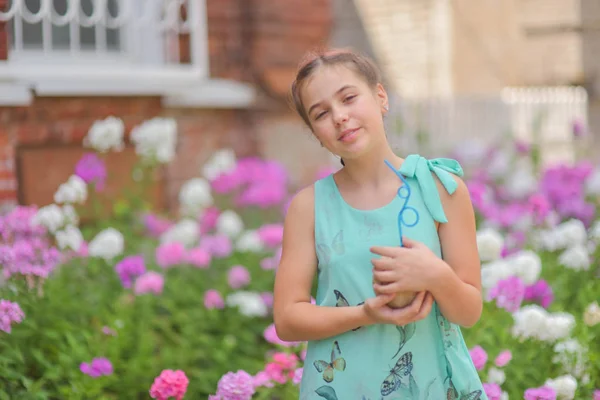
(133, 303)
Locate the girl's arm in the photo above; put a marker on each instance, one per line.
(296, 319)
(458, 289)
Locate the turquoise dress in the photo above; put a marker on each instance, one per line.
(424, 360)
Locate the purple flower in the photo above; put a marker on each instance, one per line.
(213, 299)
(578, 128)
(509, 293)
(97, 368)
(238, 277)
(597, 394)
(541, 393)
(10, 313)
(91, 169)
(129, 268)
(238, 385)
(541, 292)
(155, 225)
(219, 246)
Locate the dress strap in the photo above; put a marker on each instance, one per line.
(416, 166)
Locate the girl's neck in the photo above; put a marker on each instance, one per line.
(370, 169)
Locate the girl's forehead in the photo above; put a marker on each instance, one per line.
(325, 81)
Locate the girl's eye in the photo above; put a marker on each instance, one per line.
(349, 98)
(319, 115)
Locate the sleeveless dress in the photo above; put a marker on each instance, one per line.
(424, 360)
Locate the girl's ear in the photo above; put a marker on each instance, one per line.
(382, 96)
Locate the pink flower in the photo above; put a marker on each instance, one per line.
(492, 390)
(509, 293)
(108, 331)
(130, 267)
(522, 147)
(213, 299)
(98, 367)
(150, 282)
(271, 234)
(541, 393)
(597, 394)
(540, 291)
(170, 254)
(238, 277)
(503, 358)
(169, 384)
(236, 386)
(270, 335)
(479, 357)
(262, 379)
(297, 378)
(91, 169)
(267, 298)
(10, 313)
(208, 220)
(282, 368)
(198, 257)
(539, 207)
(219, 246)
(271, 263)
(155, 225)
(83, 250)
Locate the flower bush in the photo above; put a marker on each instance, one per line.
(140, 304)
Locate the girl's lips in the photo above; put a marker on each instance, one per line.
(348, 134)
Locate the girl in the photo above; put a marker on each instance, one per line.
(377, 227)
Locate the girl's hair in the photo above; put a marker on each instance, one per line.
(362, 65)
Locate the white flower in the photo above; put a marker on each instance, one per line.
(69, 238)
(186, 232)
(496, 375)
(155, 139)
(106, 135)
(50, 216)
(72, 191)
(504, 396)
(527, 265)
(495, 271)
(532, 321)
(489, 244)
(230, 224)
(591, 316)
(195, 195)
(70, 215)
(107, 244)
(250, 241)
(499, 165)
(573, 231)
(572, 356)
(564, 386)
(221, 162)
(576, 257)
(522, 184)
(594, 232)
(250, 304)
(592, 183)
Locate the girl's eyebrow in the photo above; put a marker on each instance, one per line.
(337, 92)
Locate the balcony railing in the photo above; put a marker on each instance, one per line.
(105, 39)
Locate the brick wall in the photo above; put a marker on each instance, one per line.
(3, 33)
(256, 41)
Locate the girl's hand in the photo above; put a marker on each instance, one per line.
(412, 268)
(380, 313)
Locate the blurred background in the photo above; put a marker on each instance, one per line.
(459, 71)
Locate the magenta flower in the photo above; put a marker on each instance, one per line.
(540, 393)
(522, 147)
(219, 246)
(91, 169)
(97, 368)
(108, 331)
(238, 386)
(262, 379)
(503, 358)
(271, 234)
(17, 224)
(170, 254)
(297, 378)
(208, 220)
(479, 357)
(169, 384)
(270, 335)
(271, 263)
(198, 257)
(509, 293)
(10, 313)
(540, 292)
(213, 299)
(492, 390)
(238, 277)
(267, 298)
(155, 225)
(539, 207)
(597, 394)
(150, 282)
(129, 268)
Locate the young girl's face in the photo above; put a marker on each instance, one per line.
(344, 111)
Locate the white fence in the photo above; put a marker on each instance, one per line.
(535, 115)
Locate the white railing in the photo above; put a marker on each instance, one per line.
(535, 115)
(60, 38)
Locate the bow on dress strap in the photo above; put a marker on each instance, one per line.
(415, 166)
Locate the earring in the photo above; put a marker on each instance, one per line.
(386, 107)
